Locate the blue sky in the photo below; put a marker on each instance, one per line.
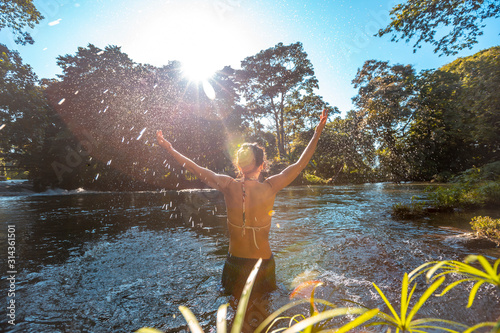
(209, 34)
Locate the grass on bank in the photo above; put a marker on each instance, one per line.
(473, 188)
(402, 320)
(486, 227)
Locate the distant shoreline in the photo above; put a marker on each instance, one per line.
(15, 187)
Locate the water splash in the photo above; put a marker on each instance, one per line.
(141, 133)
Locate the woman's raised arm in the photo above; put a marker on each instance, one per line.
(212, 179)
(284, 178)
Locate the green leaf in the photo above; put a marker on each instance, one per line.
(193, 324)
(221, 318)
(431, 271)
(355, 323)
(323, 316)
(387, 303)
(285, 308)
(148, 330)
(480, 325)
(453, 285)
(404, 297)
(424, 298)
(245, 297)
(473, 292)
(417, 323)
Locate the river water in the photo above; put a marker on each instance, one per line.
(118, 261)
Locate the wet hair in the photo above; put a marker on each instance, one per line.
(250, 153)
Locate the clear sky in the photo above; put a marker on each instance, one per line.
(209, 34)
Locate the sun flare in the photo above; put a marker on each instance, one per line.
(200, 38)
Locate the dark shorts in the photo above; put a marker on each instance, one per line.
(236, 271)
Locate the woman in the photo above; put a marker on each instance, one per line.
(249, 205)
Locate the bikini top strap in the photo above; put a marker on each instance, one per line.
(243, 200)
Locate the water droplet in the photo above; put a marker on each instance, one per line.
(109, 162)
(61, 101)
(140, 134)
(277, 225)
(97, 176)
(271, 212)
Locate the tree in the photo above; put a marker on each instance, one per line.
(424, 19)
(385, 101)
(479, 75)
(23, 111)
(438, 142)
(346, 151)
(16, 15)
(274, 78)
(113, 107)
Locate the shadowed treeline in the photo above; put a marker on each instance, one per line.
(94, 126)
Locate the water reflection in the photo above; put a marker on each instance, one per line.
(105, 262)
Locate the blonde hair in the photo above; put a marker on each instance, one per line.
(248, 154)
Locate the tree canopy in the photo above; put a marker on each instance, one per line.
(448, 25)
(94, 126)
(275, 79)
(435, 122)
(17, 15)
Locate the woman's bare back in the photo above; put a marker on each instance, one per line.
(249, 238)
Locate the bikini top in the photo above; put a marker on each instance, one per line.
(244, 226)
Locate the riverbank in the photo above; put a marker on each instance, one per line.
(16, 187)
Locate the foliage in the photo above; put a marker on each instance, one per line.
(479, 77)
(404, 321)
(384, 101)
(24, 114)
(314, 180)
(490, 274)
(16, 15)
(115, 106)
(438, 140)
(423, 18)
(432, 123)
(94, 126)
(485, 226)
(345, 153)
(415, 208)
(469, 189)
(275, 79)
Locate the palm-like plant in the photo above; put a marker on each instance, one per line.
(404, 321)
(489, 274)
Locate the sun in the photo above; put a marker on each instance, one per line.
(198, 69)
(194, 35)
(200, 53)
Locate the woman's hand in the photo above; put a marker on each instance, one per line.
(162, 142)
(322, 121)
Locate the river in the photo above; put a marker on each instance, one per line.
(118, 261)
